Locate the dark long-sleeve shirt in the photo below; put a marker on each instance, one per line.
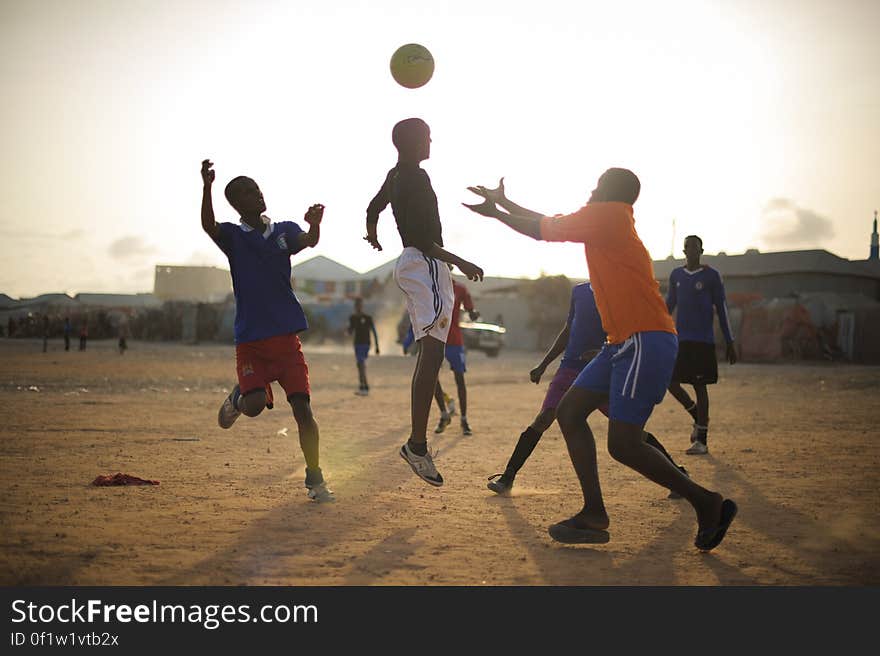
(408, 189)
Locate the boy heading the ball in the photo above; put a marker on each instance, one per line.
(422, 274)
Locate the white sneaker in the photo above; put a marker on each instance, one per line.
(422, 466)
(697, 449)
(321, 493)
(228, 412)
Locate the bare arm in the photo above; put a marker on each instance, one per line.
(375, 335)
(313, 217)
(209, 225)
(528, 224)
(555, 351)
(521, 219)
(472, 271)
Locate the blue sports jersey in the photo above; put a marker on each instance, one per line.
(585, 326)
(265, 305)
(694, 293)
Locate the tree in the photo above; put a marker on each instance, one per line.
(548, 298)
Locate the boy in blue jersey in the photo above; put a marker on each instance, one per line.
(694, 290)
(579, 341)
(268, 315)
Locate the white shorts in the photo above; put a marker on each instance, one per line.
(427, 283)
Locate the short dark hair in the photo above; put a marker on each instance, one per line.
(233, 185)
(619, 185)
(407, 134)
(694, 237)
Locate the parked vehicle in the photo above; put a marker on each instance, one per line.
(485, 337)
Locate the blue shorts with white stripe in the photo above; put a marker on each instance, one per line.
(635, 374)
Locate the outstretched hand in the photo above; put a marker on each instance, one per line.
(207, 172)
(486, 208)
(495, 195)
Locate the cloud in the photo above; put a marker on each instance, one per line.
(786, 225)
(127, 247)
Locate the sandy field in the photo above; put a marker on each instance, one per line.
(795, 445)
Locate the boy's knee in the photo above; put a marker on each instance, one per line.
(622, 447)
(253, 403)
(569, 416)
(302, 408)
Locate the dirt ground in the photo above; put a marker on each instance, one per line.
(796, 446)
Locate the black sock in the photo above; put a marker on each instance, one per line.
(419, 448)
(702, 434)
(654, 442)
(528, 440)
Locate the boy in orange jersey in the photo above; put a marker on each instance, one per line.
(634, 367)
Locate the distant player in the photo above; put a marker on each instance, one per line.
(694, 289)
(84, 334)
(45, 333)
(422, 274)
(456, 358)
(361, 326)
(580, 339)
(67, 330)
(634, 367)
(123, 336)
(268, 315)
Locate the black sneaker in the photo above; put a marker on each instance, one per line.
(502, 486)
(465, 429)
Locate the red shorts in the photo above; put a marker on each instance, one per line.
(275, 358)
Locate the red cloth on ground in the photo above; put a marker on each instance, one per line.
(122, 479)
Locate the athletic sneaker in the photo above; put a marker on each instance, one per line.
(676, 495)
(465, 429)
(445, 420)
(422, 466)
(450, 404)
(228, 411)
(363, 391)
(320, 493)
(697, 449)
(502, 486)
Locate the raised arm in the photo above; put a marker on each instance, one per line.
(209, 225)
(521, 219)
(313, 217)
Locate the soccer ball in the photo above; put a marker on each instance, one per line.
(412, 65)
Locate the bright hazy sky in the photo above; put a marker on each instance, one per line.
(751, 123)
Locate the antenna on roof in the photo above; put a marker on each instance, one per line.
(672, 245)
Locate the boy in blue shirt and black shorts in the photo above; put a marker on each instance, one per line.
(694, 289)
(268, 315)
